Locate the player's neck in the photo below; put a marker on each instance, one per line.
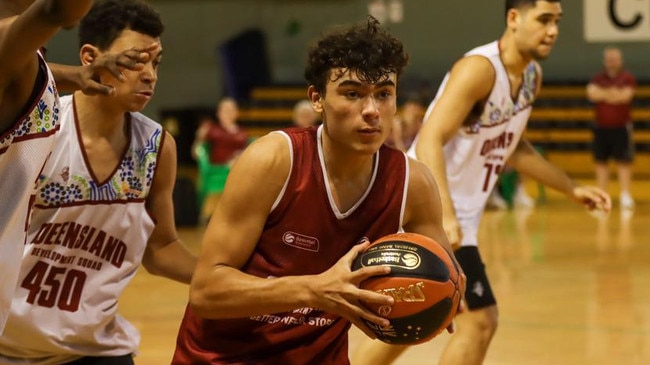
(345, 165)
(513, 59)
(98, 117)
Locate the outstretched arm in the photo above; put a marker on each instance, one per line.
(528, 161)
(21, 36)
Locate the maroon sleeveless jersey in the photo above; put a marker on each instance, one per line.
(305, 234)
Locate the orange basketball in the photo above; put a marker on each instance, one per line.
(424, 281)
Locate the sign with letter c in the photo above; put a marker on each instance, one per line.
(616, 20)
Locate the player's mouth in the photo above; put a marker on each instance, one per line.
(370, 131)
(146, 95)
(548, 44)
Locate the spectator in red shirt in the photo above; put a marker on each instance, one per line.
(225, 137)
(612, 91)
(225, 141)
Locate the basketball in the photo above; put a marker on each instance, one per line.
(424, 281)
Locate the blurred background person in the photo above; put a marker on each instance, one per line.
(216, 146)
(406, 124)
(612, 91)
(304, 114)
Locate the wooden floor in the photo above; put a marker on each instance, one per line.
(572, 289)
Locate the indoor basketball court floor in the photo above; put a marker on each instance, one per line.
(573, 290)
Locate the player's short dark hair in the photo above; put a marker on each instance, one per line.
(519, 4)
(107, 19)
(365, 48)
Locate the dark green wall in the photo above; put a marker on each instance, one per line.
(435, 32)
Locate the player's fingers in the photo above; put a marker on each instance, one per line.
(372, 297)
(368, 272)
(140, 54)
(359, 311)
(96, 88)
(153, 47)
(463, 283)
(131, 60)
(354, 252)
(451, 328)
(596, 200)
(114, 70)
(606, 201)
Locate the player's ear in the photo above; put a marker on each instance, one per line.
(512, 19)
(88, 53)
(315, 98)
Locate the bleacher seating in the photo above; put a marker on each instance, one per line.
(560, 123)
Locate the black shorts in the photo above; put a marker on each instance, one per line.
(104, 360)
(613, 143)
(478, 293)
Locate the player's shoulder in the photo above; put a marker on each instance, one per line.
(479, 60)
(474, 62)
(420, 177)
(143, 120)
(475, 75)
(270, 151)
(276, 140)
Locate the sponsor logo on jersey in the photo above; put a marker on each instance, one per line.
(301, 241)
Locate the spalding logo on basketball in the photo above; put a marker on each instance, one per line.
(423, 281)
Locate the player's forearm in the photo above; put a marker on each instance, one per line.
(173, 261)
(228, 292)
(68, 78)
(66, 13)
(529, 162)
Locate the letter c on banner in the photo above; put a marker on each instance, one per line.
(618, 22)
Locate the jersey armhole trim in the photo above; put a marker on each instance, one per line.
(407, 170)
(286, 182)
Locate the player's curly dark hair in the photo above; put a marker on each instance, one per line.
(108, 18)
(365, 48)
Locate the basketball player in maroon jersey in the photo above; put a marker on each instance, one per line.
(273, 284)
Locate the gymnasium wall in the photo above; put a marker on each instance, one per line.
(435, 33)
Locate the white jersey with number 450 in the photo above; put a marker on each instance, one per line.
(476, 154)
(84, 245)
